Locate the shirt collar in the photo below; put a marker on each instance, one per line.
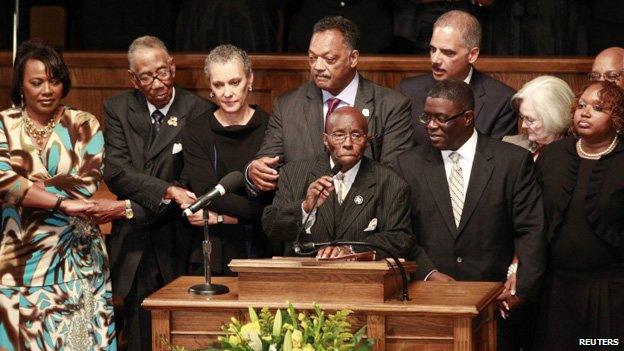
(466, 151)
(469, 77)
(151, 108)
(347, 95)
(349, 176)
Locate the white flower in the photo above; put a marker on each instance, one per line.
(272, 347)
(365, 112)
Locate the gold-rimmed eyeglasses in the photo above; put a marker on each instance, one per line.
(147, 79)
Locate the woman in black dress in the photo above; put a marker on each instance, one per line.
(217, 144)
(583, 189)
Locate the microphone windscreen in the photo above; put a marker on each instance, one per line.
(337, 167)
(232, 181)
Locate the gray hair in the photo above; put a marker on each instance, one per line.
(454, 90)
(345, 26)
(226, 53)
(467, 25)
(551, 98)
(145, 42)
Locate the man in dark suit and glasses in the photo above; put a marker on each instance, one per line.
(298, 118)
(364, 202)
(142, 166)
(453, 49)
(475, 202)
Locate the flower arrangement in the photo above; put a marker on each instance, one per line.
(290, 331)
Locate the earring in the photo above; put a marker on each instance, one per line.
(22, 100)
(212, 94)
(250, 88)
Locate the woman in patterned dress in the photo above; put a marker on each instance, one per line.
(54, 283)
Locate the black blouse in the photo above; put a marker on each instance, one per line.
(584, 206)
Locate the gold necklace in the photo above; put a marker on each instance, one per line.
(40, 135)
(597, 155)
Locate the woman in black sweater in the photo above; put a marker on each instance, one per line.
(583, 189)
(217, 144)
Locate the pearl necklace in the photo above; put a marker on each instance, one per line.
(39, 135)
(582, 153)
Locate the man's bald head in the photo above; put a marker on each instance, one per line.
(346, 111)
(346, 136)
(609, 65)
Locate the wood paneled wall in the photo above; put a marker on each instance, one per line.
(96, 76)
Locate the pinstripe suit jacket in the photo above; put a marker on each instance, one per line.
(385, 197)
(296, 125)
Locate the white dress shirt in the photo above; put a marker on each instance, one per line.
(346, 96)
(466, 156)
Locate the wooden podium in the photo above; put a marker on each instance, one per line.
(439, 316)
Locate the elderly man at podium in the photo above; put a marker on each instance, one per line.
(363, 201)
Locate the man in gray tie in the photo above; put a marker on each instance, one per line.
(298, 118)
(365, 201)
(142, 168)
(475, 202)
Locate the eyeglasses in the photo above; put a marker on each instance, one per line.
(439, 119)
(529, 121)
(608, 75)
(147, 79)
(339, 137)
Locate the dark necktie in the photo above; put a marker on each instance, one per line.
(158, 118)
(332, 104)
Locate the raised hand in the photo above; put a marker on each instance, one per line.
(320, 188)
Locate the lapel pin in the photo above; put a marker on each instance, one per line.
(365, 112)
(358, 199)
(173, 121)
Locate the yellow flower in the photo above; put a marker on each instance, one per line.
(308, 347)
(234, 340)
(297, 339)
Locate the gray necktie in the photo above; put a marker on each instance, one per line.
(456, 187)
(158, 118)
(340, 187)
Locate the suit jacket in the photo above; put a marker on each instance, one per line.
(296, 127)
(385, 198)
(493, 114)
(137, 171)
(502, 214)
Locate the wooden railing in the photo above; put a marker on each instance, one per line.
(97, 75)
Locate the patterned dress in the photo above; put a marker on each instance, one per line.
(55, 289)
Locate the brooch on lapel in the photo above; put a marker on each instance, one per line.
(366, 112)
(173, 121)
(358, 199)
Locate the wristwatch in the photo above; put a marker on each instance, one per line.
(219, 219)
(129, 213)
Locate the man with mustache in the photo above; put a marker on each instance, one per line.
(142, 168)
(365, 201)
(298, 119)
(475, 201)
(453, 49)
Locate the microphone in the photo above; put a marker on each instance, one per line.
(296, 245)
(227, 184)
(312, 246)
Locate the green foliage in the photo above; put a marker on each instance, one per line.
(291, 331)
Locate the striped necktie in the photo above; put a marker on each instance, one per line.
(456, 187)
(332, 104)
(340, 187)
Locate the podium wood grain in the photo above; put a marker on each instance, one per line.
(439, 316)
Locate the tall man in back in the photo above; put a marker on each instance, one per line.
(454, 48)
(609, 65)
(298, 119)
(475, 202)
(142, 166)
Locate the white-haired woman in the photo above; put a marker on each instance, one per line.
(222, 142)
(544, 107)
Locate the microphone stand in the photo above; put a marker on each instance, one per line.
(397, 262)
(207, 288)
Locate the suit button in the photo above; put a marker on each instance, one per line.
(148, 164)
(460, 260)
